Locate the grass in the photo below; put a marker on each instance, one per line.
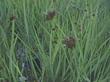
(29, 29)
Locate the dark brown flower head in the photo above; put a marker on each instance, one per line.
(12, 18)
(50, 15)
(69, 42)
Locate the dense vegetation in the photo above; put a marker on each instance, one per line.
(54, 40)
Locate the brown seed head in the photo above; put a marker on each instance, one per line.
(69, 42)
(12, 18)
(50, 15)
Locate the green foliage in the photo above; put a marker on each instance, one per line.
(27, 34)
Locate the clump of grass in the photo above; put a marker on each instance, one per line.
(32, 49)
